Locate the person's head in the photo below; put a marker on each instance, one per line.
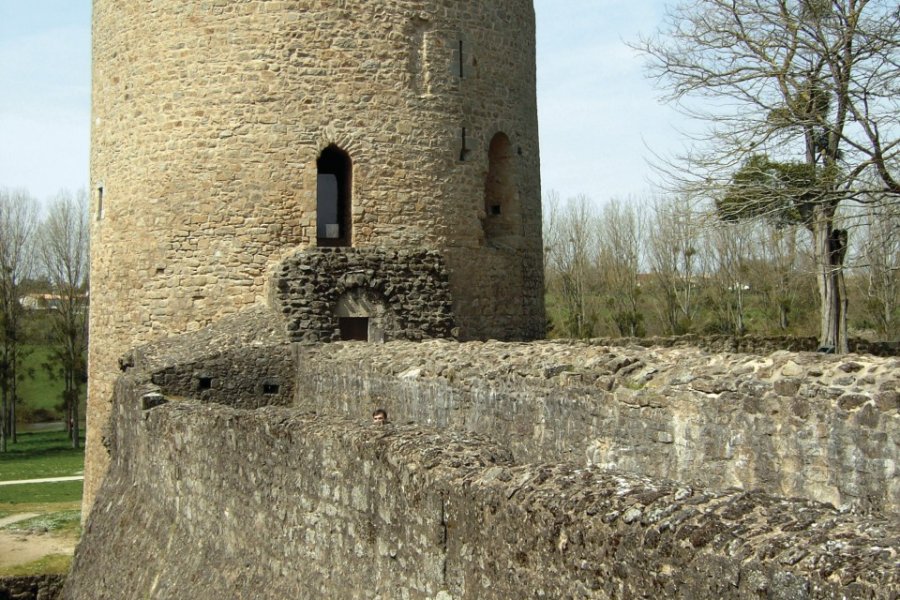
(379, 415)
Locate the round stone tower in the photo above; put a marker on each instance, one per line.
(229, 134)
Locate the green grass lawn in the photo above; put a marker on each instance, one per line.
(38, 455)
(57, 505)
(12, 496)
(38, 390)
(41, 454)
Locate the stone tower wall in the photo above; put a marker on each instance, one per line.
(208, 119)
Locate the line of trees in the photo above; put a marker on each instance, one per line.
(672, 265)
(52, 249)
(802, 105)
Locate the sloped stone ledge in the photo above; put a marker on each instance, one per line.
(243, 361)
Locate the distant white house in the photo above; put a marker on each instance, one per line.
(36, 301)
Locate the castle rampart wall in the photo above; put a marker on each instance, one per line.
(208, 501)
(793, 424)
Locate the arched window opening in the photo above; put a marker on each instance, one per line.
(501, 212)
(333, 205)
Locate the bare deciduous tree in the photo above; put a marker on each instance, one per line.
(64, 256)
(570, 256)
(675, 261)
(781, 272)
(18, 222)
(621, 238)
(879, 259)
(814, 84)
(731, 250)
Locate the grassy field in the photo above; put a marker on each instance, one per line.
(38, 455)
(41, 454)
(52, 564)
(14, 497)
(41, 393)
(59, 521)
(56, 524)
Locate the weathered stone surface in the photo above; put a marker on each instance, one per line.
(494, 480)
(752, 344)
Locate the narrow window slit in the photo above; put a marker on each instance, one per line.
(464, 150)
(99, 202)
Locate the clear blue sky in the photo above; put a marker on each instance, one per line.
(598, 114)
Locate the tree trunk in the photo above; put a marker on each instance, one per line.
(12, 418)
(831, 248)
(75, 438)
(3, 416)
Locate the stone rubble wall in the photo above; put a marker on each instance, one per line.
(412, 285)
(748, 344)
(31, 587)
(243, 361)
(508, 470)
(793, 424)
(207, 501)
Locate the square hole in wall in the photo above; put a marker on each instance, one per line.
(354, 328)
(204, 383)
(270, 388)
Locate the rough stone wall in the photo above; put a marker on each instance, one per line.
(33, 587)
(411, 288)
(209, 501)
(749, 344)
(794, 424)
(243, 361)
(208, 118)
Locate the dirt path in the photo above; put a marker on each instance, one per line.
(16, 518)
(22, 547)
(44, 480)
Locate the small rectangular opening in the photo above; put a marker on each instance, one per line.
(495, 209)
(270, 388)
(205, 383)
(461, 60)
(354, 328)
